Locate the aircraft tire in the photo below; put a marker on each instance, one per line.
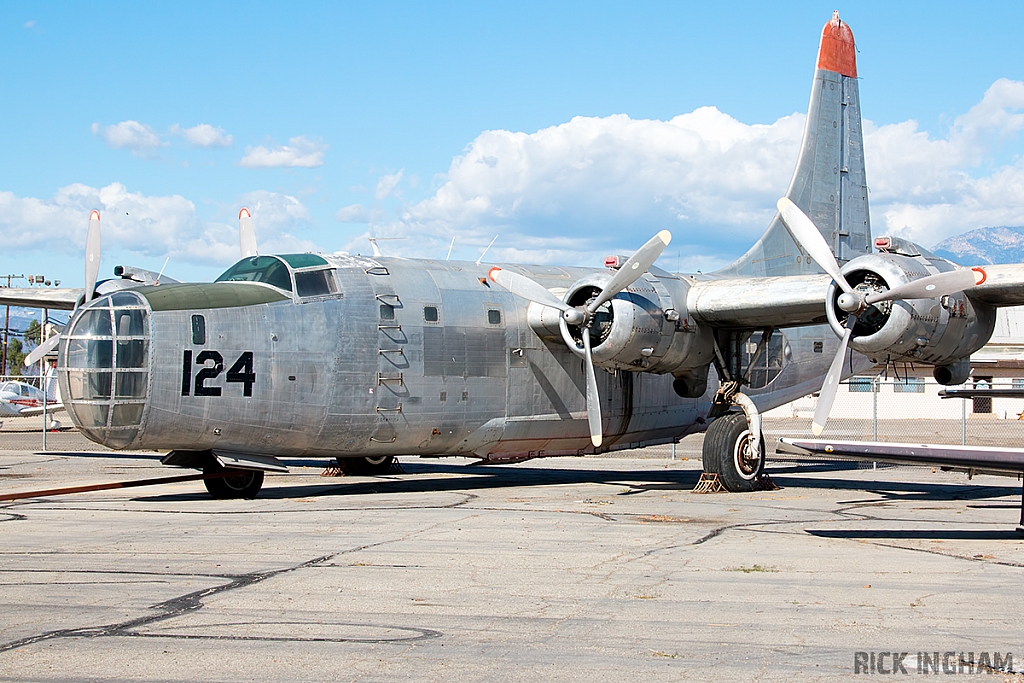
(724, 444)
(238, 484)
(368, 466)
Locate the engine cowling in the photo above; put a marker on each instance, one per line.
(642, 329)
(939, 331)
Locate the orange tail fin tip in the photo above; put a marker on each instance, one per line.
(837, 51)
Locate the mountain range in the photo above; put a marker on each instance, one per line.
(1003, 244)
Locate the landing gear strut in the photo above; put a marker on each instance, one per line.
(731, 452)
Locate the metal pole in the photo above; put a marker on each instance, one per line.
(874, 409)
(963, 422)
(673, 450)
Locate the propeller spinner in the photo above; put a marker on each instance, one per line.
(583, 316)
(853, 302)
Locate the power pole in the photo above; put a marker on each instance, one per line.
(7, 324)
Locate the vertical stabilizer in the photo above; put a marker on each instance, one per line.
(829, 183)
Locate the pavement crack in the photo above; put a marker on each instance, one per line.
(168, 609)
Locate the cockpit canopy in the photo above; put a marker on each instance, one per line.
(305, 274)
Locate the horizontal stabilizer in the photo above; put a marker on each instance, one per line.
(971, 457)
(37, 297)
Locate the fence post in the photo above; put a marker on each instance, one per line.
(874, 408)
(963, 422)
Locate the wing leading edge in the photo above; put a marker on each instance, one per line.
(751, 302)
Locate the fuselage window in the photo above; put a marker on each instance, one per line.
(430, 314)
(267, 269)
(494, 316)
(315, 283)
(387, 312)
(198, 330)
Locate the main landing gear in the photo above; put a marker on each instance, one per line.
(233, 483)
(733, 454)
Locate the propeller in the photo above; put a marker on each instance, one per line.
(92, 255)
(246, 234)
(852, 302)
(583, 316)
(92, 271)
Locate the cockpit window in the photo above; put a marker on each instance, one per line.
(315, 283)
(267, 269)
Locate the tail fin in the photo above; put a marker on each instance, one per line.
(829, 183)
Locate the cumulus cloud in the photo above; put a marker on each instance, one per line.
(152, 226)
(140, 138)
(611, 182)
(300, 152)
(203, 135)
(606, 183)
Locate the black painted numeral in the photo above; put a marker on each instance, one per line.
(208, 373)
(242, 372)
(186, 373)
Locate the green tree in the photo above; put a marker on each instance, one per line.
(15, 357)
(33, 335)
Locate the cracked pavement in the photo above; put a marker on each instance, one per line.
(546, 570)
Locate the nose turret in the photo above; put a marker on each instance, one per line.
(104, 368)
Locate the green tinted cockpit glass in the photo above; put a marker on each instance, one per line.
(303, 260)
(267, 269)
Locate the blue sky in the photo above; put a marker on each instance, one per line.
(335, 121)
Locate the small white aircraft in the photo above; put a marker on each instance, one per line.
(20, 399)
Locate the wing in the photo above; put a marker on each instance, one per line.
(50, 409)
(61, 299)
(759, 302)
(1001, 460)
(1003, 285)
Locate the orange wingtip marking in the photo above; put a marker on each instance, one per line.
(95, 215)
(837, 51)
(246, 212)
(984, 275)
(490, 273)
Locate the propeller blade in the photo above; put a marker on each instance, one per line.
(246, 234)
(932, 286)
(92, 255)
(635, 266)
(41, 350)
(835, 373)
(520, 285)
(810, 240)
(593, 399)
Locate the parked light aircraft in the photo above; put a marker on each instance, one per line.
(20, 399)
(346, 356)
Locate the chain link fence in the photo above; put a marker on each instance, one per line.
(906, 410)
(36, 431)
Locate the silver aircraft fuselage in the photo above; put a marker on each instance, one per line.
(351, 356)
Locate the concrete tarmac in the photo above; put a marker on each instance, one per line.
(560, 569)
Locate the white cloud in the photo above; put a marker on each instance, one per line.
(140, 138)
(927, 189)
(203, 135)
(611, 182)
(151, 226)
(387, 183)
(300, 152)
(606, 183)
(29, 24)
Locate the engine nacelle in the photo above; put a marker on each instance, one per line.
(641, 329)
(939, 331)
